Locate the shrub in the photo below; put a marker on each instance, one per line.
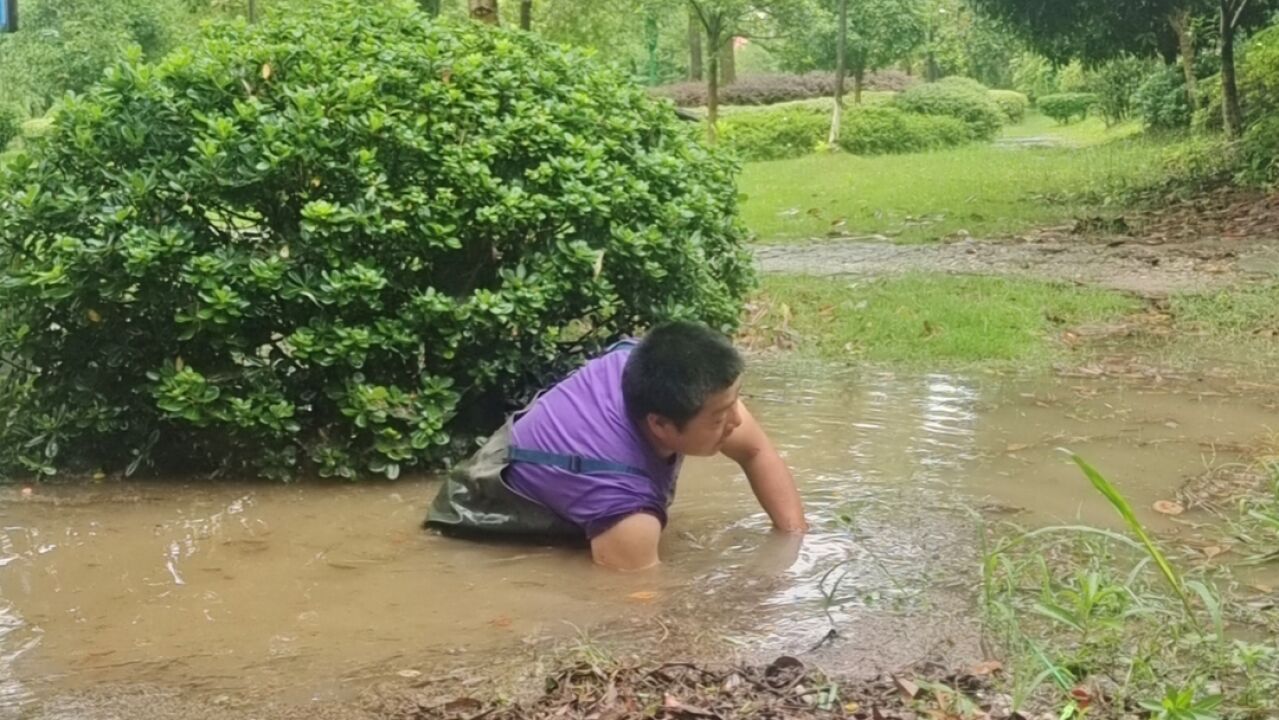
(887, 130)
(1207, 116)
(774, 134)
(334, 241)
(1012, 103)
(1073, 78)
(958, 98)
(1200, 162)
(10, 125)
(66, 44)
(1066, 107)
(1259, 152)
(1034, 76)
(1115, 84)
(1160, 100)
(1259, 74)
(772, 89)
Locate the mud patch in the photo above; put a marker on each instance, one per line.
(1197, 245)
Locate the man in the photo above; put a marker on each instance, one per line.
(597, 456)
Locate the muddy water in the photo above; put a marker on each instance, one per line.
(308, 592)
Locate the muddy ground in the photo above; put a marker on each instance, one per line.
(1209, 242)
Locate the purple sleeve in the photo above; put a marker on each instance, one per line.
(592, 502)
(599, 526)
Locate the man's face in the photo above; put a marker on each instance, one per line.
(705, 433)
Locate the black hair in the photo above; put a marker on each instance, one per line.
(676, 368)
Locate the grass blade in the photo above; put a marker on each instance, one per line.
(1126, 512)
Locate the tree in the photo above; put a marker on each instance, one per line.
(1099, 30)
(484, 11)
(430, 7)
(879, 33)
(694, 46)
(841, 69)
(526, 14)
(723, 20)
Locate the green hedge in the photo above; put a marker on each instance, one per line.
(960, 98)
(1067, 107)
(774, 134)
(887, 130)
(1012, 103)
(865, 130)
(337, 242)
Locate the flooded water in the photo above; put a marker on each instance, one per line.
(307, 593)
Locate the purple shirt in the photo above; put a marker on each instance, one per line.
(585, 415)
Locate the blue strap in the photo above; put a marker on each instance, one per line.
(621, 345)
(572, 463)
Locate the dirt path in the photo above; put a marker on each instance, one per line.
(1216, 240)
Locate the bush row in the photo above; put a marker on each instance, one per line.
(961, 98)
(1012, 103)
(780, 134)
(776, 88)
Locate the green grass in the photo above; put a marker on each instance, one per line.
(1231, 314)
(934, 320)
(1087, 132)
(985, 190)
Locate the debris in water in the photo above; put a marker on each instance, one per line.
(787, 688)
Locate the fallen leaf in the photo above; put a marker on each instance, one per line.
(672, 704)
(645, 596)
(1169, 507)
(266, 71)
(907, 688)
(409, 673)
(94, 316)
(1015, 447)
(989, 667)
(1213, 551)
(501, 621)
(463, 706)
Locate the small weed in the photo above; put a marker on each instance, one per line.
(1084, 618)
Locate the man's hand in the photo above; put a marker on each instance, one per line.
(770, 479)
(629, 545)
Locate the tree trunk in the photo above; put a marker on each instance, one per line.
(694, 46)
(859, 81)
(712, 83)
(431, 7)
(841, 69)
(1232, 114)
(728, 62)
(526, 14)
(1181, 24)
(652, 33)
(484, 11)
(253, 11)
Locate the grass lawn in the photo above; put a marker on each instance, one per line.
(1087, 132)
(929, 320)
(982, 189)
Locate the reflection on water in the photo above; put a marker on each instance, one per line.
(313, 590)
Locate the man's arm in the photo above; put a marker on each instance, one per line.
(629, 545)
(769, 477)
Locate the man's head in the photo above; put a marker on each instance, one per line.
(681, 386)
